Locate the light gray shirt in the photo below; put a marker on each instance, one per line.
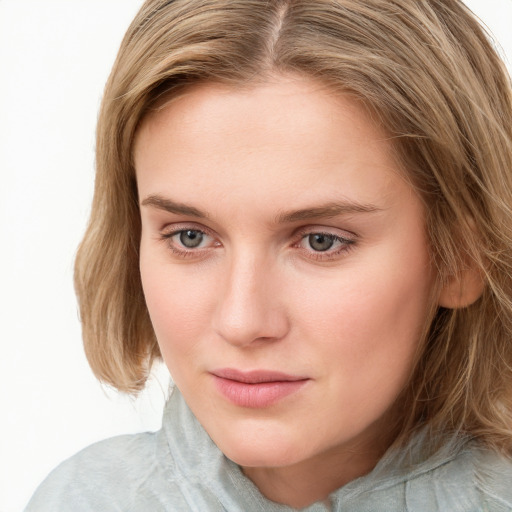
(179, 468)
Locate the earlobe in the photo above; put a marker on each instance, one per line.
(462, 290)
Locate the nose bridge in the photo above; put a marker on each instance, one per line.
(249, 308)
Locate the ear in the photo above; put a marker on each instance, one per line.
(462, 290)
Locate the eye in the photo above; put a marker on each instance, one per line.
(324, 246)
(188, 241)
(190, 238)
(320, 242)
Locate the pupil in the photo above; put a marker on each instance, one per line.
(190, 238)
(320, 242)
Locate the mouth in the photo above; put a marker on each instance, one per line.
(256, 389)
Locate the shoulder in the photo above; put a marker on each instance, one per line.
(115, 474)
(475, 479)
(493, 478)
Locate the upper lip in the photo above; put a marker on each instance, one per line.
(255, 376)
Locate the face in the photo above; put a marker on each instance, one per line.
(284, 264)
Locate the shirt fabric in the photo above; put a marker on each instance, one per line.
(179, 468)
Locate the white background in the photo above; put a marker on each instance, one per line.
(54, 59)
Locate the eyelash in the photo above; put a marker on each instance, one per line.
(346, 244)
(183, 252)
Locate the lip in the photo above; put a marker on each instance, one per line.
(256, 389)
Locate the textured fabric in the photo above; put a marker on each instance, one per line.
(179, 468)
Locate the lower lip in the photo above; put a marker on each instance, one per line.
(256, 396)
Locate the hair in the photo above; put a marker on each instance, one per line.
(431, 76)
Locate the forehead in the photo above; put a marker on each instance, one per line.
(289, 133)
(280, 98)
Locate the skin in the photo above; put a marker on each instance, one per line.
(257, 294)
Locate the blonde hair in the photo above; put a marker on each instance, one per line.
(430, 73)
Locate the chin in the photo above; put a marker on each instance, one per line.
(250, 448)
(269, 458)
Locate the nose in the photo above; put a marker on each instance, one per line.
(249, 309)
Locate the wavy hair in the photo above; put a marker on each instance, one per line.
(431, 75)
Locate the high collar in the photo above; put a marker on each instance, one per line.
(199, 463)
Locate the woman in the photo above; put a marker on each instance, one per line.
(303, 208)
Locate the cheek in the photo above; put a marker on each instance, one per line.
(369, 319)
(178, 305)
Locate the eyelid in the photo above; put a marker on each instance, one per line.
(171, 229)
(327, 230)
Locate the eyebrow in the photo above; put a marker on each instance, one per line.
(170, 206)
(324, 211)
